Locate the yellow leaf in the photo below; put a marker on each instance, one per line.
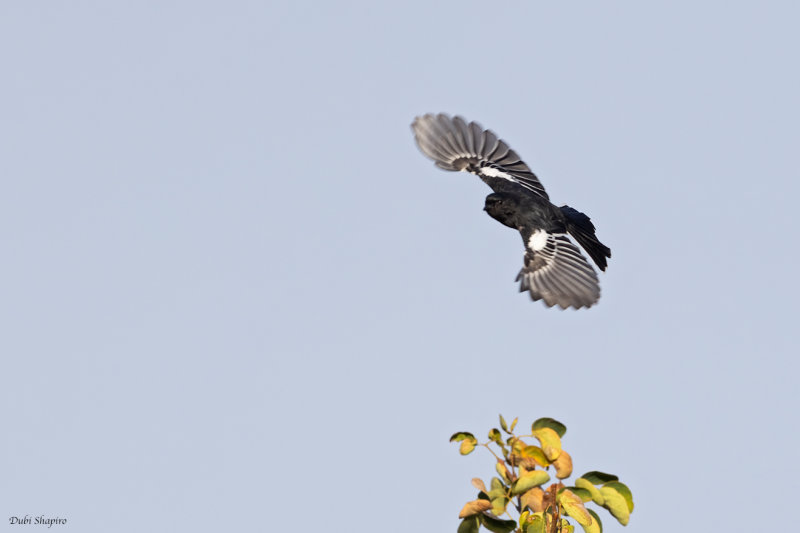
(586, 484)
(550, 441)
(474, 507)
(503, 471)
(533, 499)
(596, 526)
(536, 454)
(563, 465)
(517, 445)
(523, 517)
(466, 447)
(478, 484)
(573, 505)
(616, 504)
(528, 480)
(623, 489)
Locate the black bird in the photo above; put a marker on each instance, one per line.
(554, 269)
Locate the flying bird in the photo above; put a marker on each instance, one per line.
(554, 270)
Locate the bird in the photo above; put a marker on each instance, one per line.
(554, 269)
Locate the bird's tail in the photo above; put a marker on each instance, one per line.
(581, 228)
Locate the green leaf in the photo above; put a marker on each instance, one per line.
(596, 526)
(499, 505)
(584, 494)
(598, 478)
(551, 423)
(566, 527)
(494, 436)
(573, 506)
(528, 480)
(461, 435)
(616, 504)
(550, 441)
(498, 525)
(536, 525)
(585, 484)
(471, 524)
(497, 493)
(503, 424)
(497, 489)
(623, 489)
(513, 424)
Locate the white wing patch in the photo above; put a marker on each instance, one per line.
(456, 145)
(537, 240)
(496, 173)
(555, 271)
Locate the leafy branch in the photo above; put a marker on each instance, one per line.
(523, 469)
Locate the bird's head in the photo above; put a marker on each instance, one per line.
(503, 208)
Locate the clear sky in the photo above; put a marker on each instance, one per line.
(235, 297)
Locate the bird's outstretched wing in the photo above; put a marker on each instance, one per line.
(556, 272)
(456, 145)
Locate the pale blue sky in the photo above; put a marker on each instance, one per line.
(235, 296)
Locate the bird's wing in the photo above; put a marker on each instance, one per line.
(456, 145)
(556, 272)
